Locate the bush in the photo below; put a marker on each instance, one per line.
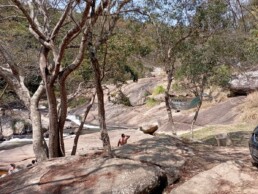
(158, 90)
(150, 102)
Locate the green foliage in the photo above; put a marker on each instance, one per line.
(158, 90)
(86, 72)
(221, 76)
(77, 102)
(212, 15)
(151, 102)
(32, 82)
(133, 73)
(176, 86)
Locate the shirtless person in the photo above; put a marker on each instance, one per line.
(123, 140)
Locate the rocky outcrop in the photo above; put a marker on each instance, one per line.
(14, 122)
(146, 166)
(6, 125)
(227, 177)
(137, 92)
(90, 174)
(169, 153)
(244, 84)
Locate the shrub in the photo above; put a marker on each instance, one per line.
(150, 102)
(158, 90)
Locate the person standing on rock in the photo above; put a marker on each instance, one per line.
(123, 140)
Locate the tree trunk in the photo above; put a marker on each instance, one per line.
(62, 115)
(195, 118)
(16, 81)
(54, 143)
(102, 121)
(78, 132)
(39, 145)
(169, 112)
(99, 90)
(200, 104)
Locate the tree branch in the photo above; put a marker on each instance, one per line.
(35, 28)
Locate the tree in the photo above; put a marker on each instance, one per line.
(212, 54)
(13, 75)
(172, 23)
(58, 27)
(93, 44)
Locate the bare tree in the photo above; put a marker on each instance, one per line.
(108, 25)
(13, 75)
(58, 26)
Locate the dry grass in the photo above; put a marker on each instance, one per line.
(249, 110)
(209, 131)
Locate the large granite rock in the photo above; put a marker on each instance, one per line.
(244, 83)
(19, 126)
(167, 152)
(6, 125)
(86, 175)
(228, 177)
(149, 128)
(137, 92)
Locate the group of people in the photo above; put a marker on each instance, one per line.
(13, 168)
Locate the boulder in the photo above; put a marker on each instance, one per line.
(90, 174)
(137, 92)
(169, 153)
(149, 128)
(19, 127)
(227, 177)
(244, 83)
(6, 124)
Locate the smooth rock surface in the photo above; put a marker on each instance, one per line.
(86, 175)
(227, 177)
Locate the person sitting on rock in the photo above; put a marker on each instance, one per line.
(123, 140)
(12, 169)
